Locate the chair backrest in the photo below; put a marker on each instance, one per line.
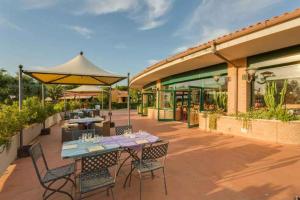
(106, 128)
(100, 161)
(38, 159)
(155, 151)
(76, 134)
(120, 130)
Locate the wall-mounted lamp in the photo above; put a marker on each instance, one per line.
(250, 73)
(216, 78)
(251, 76)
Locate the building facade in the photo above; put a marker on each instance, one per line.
(233, 69)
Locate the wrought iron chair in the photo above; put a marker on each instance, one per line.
(98, 171)
(152, 159)
(47, 177)
(120, 130)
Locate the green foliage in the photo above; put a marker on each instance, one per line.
(34, 111)
(274, 101)
(212, 121)
(60, 106)
(11, 121)
(74, 105)
(55, 91)
(220, 100)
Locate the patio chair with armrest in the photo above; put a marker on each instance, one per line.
(120, 130)
(152, 159)
(47, 177)
(98, 172)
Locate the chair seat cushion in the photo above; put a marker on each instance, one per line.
(59, 172)
(95, 179)
(147, 166)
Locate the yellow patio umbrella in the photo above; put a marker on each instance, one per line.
(77, 71)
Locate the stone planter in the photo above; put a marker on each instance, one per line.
(31, 132)
(9, 154)
(267, 130)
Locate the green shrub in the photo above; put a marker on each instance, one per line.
(74, 105)
(33, 110)
(59, 107)
(11, 121)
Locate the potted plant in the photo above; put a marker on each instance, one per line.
(44, 113)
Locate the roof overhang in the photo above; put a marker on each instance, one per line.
(267, 39)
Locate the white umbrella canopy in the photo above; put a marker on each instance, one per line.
(77, 71)
(86, 88)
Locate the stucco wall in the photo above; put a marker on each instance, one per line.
(267, 130)
(152, 113)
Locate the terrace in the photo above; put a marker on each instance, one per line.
(199, 165)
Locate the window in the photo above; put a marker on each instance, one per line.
(291, 73)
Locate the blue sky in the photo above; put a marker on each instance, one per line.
(119, 35)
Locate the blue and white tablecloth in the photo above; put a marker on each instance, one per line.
(78, 148)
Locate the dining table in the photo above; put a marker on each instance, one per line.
(77, 149)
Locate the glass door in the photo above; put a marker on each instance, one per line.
(140, 106)
(195, 104)
(166, 105)
(148, 100)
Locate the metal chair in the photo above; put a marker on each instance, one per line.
(152, 159)
(120, 130)
(98, 171)
(47, 177)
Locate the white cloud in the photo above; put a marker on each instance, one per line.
(149, 14)
(156, 9)
(83, 31)
(214, 18)
(152, 61)
(38, 4)
(99, 7)
(8, 24)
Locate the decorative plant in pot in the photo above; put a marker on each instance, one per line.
(44, 113)
(220, 105)
(11, 121)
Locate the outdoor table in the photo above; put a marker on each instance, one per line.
(77, 149)
(129, 142)
(86, 121)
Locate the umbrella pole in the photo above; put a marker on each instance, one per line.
(20, 151)
(109, 105)
(43, 101)
(102, 101)
(128, 98)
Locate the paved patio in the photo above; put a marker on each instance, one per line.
(200, 165)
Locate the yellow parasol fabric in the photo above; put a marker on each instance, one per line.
(77, 71)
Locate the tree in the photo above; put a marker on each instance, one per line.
(55, 91)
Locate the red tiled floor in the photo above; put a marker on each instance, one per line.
(200, 165)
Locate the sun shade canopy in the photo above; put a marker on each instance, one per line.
(77, 71)
(86, 89)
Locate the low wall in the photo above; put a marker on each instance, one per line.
(8, 155)
(52, 120)
(267, 130)
(152, 113)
